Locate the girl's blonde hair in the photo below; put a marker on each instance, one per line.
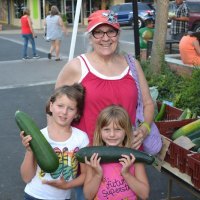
(74, 92)
(120, 117)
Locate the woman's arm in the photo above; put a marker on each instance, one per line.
(71, 73)
(61, 23)
(148, 108)
(30, 25)
(146, 96)
(197, 47)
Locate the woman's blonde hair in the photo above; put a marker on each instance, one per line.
(54, 10)
(120, 117)
(26, 11)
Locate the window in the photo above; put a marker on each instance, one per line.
(19, 5)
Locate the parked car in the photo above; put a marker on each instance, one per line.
(194, 15)
(124, 13)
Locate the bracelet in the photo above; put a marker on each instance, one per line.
(146, 125)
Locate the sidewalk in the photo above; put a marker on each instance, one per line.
(9, 29)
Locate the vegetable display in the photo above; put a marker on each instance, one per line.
(46, 158)
(110, 154)
(187, 129)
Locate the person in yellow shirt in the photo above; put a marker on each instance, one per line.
(146, 33)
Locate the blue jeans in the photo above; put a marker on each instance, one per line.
(28, 37)
(79, 193)
(28, 197)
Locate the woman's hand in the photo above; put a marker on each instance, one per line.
(26, 140)
(94, 163)
(126, 162)
(138, 136)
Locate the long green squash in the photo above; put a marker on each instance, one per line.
(110, 154)
(186, 114)
(161, 113)
(43, 152)
(187, 129)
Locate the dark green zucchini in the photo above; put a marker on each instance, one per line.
(196, 141)
(110, 154)
(46, 158)
(195, 134)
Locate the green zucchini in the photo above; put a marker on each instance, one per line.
(194, 115)
(110, 154)
(197, 144)
(194, 134)
(186, 114)
(46, 158)
(161, 113)
(187, 129)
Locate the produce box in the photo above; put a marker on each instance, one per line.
(170, 120)
(193, 169)
(176, 155)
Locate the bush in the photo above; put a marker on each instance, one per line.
(182, 91)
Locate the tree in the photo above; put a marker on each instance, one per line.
(158, 47)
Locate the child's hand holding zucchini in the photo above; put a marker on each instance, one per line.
(26, 140)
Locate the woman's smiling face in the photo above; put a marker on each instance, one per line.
(105, 39)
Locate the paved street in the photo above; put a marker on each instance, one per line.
(26, 85)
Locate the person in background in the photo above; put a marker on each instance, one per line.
(146, 33)
(54, 31)
(64, 107)
(114, 128)
(179, 20)
(28, 34)
(189, 48)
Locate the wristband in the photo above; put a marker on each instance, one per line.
(146, 125)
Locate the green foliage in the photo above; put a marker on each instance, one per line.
(182, 91)
(64, 17)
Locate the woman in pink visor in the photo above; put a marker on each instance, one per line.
(107, 78)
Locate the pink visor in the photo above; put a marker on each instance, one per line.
(102, 17)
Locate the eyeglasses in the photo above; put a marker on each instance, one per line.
(100, 34)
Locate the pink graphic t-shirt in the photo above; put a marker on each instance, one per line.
(113, 185)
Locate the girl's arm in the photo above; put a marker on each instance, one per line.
(62, 184)
(138, 182)
(29, 165)
(70, 74)
(93, 177)
(197, 47)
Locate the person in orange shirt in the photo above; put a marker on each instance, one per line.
(189, 48)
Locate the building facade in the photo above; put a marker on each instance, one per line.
(12, 10)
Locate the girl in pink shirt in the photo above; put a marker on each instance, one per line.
(125, 180)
